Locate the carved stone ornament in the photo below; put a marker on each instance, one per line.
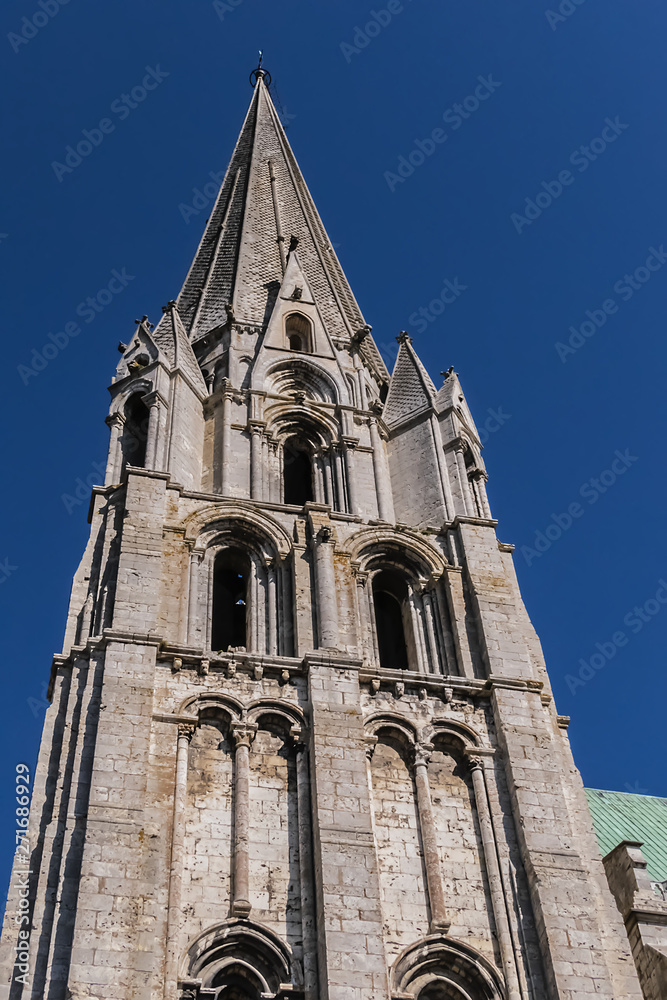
(399, 689)
(422, 754)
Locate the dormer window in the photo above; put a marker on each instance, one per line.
(298, 333)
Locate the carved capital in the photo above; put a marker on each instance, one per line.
(371, 743)
(243, 733)
(422, 754)
(186, 730)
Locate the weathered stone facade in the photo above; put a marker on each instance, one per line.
(301, 741)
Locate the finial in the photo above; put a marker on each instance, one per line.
(259, 73)
(404, 337)
(450, 371)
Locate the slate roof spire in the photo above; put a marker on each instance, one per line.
(263, 204)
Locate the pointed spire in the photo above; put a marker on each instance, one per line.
(263, 206)
(411, 390)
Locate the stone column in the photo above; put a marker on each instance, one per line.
(327, 604)
(306, 873)
(337, 458)
(256, 471)
(193, 600)
(153, 402)
(350, 445)
(272, 614)
(481, 486)
(318, 476)
(450, 510)
(457, 613)
(434, 646)
(363, 624)
(226, 389)
(381, 473)
(496, 888)
(115, 422)
(174, 910)
(243, 735)
(463, 479)
(327, 459)
(436, 893)
(274, 473)
(417, 632)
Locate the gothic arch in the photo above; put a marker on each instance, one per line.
(459, 971)
(243, 947)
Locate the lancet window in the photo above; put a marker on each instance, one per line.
(298, 333)
(135, 431)
(231, 573)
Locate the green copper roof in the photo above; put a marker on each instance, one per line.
(621, 816)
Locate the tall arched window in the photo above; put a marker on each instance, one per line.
(231, 572)
(297, 473)
(135, 431)
(390, 600)
(298, 333)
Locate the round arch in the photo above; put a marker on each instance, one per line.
(370, 546)
(300, 375)
(231, 521)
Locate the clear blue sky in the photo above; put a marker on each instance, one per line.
(522, 284)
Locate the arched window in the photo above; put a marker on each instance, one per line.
(297, 473)
(298, 333)
(231, 572)
(236, 986)
(390, 600)
(135, 431)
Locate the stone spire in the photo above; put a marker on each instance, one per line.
(263, 206)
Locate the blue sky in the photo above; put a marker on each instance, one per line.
(540, 200)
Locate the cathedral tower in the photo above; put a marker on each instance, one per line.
(301, 744)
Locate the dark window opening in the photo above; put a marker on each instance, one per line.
(230, 588)
(237, 984)
(298, 332)
(297, 474)
(135, 432)
(390, 600)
